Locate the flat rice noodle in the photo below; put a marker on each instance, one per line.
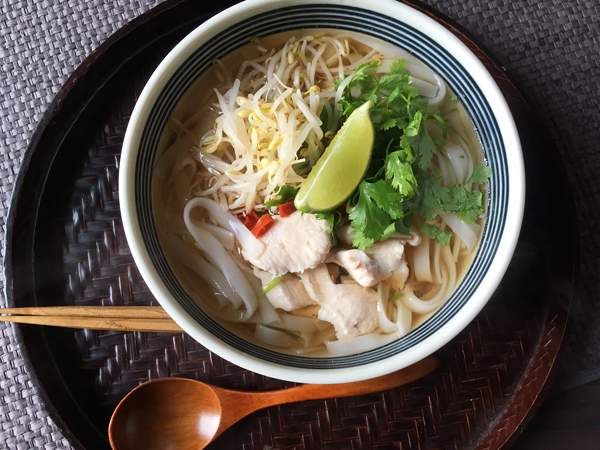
(437, 262)
(460, 162)
(441, 91)
(403, 318)
(425, 88)
(225, 237)
(216, 253)
(351, 346)
(434, 299)
(299, 323)
(385, 324)
(468, 233)
(422, 262)
(191, 259)
(421, 306)
(267, 313)
(274, 338)
(252, 246)
(446, 170)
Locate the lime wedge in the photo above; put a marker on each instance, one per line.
(342, 165)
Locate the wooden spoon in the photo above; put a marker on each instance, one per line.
(185, 414)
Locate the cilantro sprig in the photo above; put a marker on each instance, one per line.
(401, 181)
(434, 232)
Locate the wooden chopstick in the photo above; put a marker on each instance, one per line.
(135, 312)
(117, 318)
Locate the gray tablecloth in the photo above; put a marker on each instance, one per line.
(550, 47)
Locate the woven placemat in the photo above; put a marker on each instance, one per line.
(550, 48)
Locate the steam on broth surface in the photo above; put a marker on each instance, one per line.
(249, 134)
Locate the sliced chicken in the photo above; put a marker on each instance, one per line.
(289, 294)
(388, 255)
(370, 267)
(359, 265)
(293, 244)
(350, 308)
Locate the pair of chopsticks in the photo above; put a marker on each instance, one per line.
(118, 318)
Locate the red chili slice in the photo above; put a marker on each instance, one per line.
(286, 209)
(250, 219)
(264, 223)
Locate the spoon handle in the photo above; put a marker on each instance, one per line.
(238, 404)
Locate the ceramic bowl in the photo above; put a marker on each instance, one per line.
(390, 21)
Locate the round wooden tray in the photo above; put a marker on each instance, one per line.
(65, 245)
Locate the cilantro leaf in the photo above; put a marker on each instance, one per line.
(414, 125)
(283, 194)
(400, 173)
(389, 123)
(361, 88)
(385, 197)
(370, 222)
(365, 72)
(406, 151)
(424, 147)
(459, 199)
(434, 232)
(480, 174)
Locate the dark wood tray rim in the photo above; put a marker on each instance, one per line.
(75, 84)
(525, 403)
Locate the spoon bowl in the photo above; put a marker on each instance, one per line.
(166, 413)
(183, 414)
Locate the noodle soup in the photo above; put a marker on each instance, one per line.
(243, 156)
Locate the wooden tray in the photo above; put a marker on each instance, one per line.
(65, 245)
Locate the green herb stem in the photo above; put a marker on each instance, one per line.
(272, 284)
